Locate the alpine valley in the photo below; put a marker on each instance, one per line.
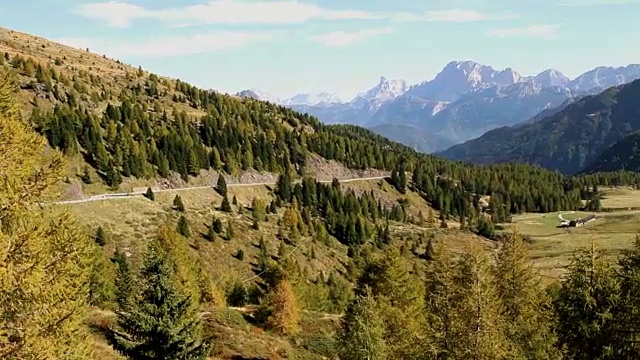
(462, 102)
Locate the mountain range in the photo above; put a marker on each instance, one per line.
(462, 102)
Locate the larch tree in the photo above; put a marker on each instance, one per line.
(628, 314)
(283, 310)
(526, 308)
(44, 257)
(482, 328)
(361, 336)
(441, 301)
(585, 308)
(164, 322)
(400, 298)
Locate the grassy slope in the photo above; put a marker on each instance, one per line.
(552, 248)
(130, 223)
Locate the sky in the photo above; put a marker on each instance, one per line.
(286, 47)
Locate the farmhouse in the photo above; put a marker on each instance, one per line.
(577, 222)
(582, 221)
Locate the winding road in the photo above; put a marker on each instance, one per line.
(111, 196)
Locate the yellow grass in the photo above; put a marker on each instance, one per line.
(552, 248)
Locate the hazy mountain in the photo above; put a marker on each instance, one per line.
(418, 139)
(321, 99)
(604, 77)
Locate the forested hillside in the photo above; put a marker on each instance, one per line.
(567, 141)
(126, 122)
(623, 155)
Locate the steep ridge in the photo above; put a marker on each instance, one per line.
(624, 155)
(567, 141)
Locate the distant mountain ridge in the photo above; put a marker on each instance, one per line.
(463, 101)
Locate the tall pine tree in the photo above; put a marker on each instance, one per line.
(163, 323)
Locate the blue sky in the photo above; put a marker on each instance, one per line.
(342, 46)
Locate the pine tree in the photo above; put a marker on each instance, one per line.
(362, 332)
(178, 204)
(86, 176)
(525, 304)
(221, 187)
(183, 227)
(234, 201)
(229, 230)
(45, 259)
(225, 206)
(124, 280)
(163, 323)
(150, 195)
(217, 225)
(100, 237)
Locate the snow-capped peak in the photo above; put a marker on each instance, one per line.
(387, 89)
(323, 98)
(551, 77)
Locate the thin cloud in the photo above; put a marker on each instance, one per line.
(343, 38)
(119, 14)
(169, 46)
(278, 12)
(589, 3)
(454, 15)
(549, 31)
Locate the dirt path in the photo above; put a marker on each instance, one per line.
(111, 196)
(561, 215)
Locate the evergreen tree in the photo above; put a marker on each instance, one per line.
(234, 201)
(362, 335)
(217, 225)
(124, 280)
(100, 237)
(178, 204)
(150, 195)
(183, 227)
(229, 230)
(221, 187)
(225, 206)
(163, 323)
(86, 176)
